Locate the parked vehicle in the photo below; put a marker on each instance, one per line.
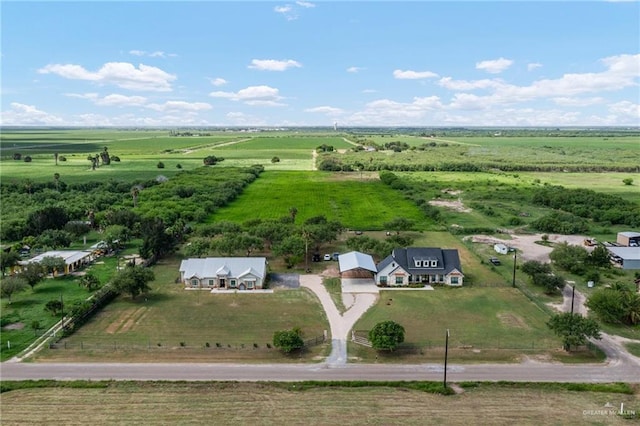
(327, 256)
(494, 260)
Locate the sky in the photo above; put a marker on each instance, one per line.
(320, 63)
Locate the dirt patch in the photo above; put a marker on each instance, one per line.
(14, 326)
(512, 320)
(331, 272)
(451, 191)
(527, 246)
(456, 205)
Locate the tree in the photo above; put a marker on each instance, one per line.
(573, 329)
(533, 267)
(211, 160)
(399, 224)
(599, 257)
(288, 340)
(133, 280)
(160, 165)
(386, 335)
(627, 181)
(569, 257)
(275, 160)
(54, 306)
(11, 285)
(616, 304)
(32, 273)
(46, 218)
(89, 281)
(53, 264)
(8, 259)
(56, 178)
(156, 242)
(293, 212)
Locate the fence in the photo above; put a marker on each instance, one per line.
(124, 345)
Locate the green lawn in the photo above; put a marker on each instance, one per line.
(173, 323)
(357, 204)
(484, 323)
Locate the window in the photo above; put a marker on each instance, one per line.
(399, 279)
(434, 263)
(454, 280)
(383, 280)
(232, 284)
(194, 283)
(210, 283)
(418, 263)
(250, 284)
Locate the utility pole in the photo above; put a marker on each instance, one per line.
(446, 355)
(573, 293)
(515, 256)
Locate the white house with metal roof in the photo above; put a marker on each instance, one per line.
(241, 273)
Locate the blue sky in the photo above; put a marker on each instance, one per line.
(302, 63)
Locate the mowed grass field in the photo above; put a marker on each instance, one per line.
(357, 203)
(223, 403)
(176, 324)
(480, 321)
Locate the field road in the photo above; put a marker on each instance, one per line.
(525, 372)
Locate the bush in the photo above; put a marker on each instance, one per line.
(27, 159)
(288, 340)
(160, 165)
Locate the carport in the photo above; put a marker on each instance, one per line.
(356, 272)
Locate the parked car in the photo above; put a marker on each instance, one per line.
(327, 256)
(316, 257)
(494, 260)
(335, 256)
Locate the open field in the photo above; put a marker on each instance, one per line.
(356, 203)
(276, 404)
(172, 323)
(480, 321)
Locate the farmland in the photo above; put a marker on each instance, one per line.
(319, 403)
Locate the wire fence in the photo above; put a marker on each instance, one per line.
(163, 345)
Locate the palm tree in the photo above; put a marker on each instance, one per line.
(56, 179)
(134, 194)
(293, 212)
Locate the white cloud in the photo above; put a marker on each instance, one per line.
(413, 75)
(253, 95)
(626, 109)
(286, 11)
(305, 4)
(369, 91)
(111, 100)
(218, 81)
(451, 84)
(121, 74)
(354, 69)
(577, 102)
(533, 65)
(156, 54)
(22, 114)
(180, 106)
(273, 65)
(495, 66)
(325, 110)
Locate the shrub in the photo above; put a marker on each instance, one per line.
(27, 159)
(160, 165)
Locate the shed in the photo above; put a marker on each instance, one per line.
(356, 264)
(501, 248)
(630, 256)
(628, 238)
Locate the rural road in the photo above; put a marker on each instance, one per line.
(528, 371)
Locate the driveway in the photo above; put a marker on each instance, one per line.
(340, 324)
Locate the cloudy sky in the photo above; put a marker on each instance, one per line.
(303, 63)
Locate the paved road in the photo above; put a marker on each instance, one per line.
(531, 371)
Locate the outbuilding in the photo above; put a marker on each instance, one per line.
(628, 239)
(627, 257)
(501, 248)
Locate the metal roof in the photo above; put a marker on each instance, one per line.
(224, 266)
(355, 260)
